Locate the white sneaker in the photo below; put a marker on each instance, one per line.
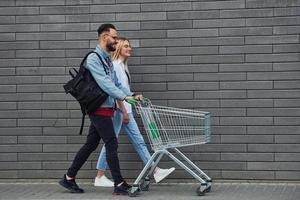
(160, 174)
(103, 181)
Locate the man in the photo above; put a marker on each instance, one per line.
(101, 122)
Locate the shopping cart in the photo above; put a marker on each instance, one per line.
(167, 129)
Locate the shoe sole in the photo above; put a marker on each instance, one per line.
(68, 188)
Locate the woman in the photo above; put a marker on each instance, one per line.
(123, 118)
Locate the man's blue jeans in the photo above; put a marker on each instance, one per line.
(134, 135)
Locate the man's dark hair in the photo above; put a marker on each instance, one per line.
(105, 28)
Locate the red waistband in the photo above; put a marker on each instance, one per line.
(108, 112)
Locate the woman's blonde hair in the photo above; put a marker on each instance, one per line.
(117, 52)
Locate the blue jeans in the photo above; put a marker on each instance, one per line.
(134, 135)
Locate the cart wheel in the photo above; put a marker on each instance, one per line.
(200, 190)
(208, 188)
(145, 184)
(133, 191)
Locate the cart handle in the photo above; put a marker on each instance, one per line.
(135, 101)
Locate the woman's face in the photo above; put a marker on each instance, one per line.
(126, 50)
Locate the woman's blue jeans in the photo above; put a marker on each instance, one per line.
(134, 134)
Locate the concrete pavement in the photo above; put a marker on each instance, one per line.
(221, 190)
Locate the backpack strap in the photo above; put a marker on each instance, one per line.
(83, 68)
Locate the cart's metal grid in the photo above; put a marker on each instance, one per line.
(170, 128)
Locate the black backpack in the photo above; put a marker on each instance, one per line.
(85, 89)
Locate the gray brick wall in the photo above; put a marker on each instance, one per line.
(238, 59)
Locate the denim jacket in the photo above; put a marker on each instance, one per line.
(108, 82)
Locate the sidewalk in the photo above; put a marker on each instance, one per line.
(221, 190)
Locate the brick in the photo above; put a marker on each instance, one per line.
(40, 19)
(41, 139)
(40, 88)
(149, 52)
(245, 31)
(166, 6)
(286, 11)
(18, 45)
(115, 8)
(7, 37)
(291, 66)
(246, 13)
(41, 156)
(149, 87)
(8, 139)
(275, 130)
(272, 39)
(246, 175)
(166, 60)
(169, 95)
(272, 57)
(38, 3)
(284, 175)
(56, 79)
(146, 69)
(281, 148)
(64, 44)
(192, 33)
(8, 122)
(166, 24)
(21, 148)
(141, 16)
(64, 9)
(220, 94)
(219, 76)
(286, 30)
(40, 36)
(165, 42)
(7, 89)
(218, 41)
(102, 17)
(218, 5)
(62, 165)
(61, 148)
(286, 48)
(76, 2)
(20, 79)
(193, 86)
(8, 157)
(273, 94)
(218, 23)
(287, 84)
(39, 53)
(275, 21)
(41, 105)
(247, 156)
(148, 34)
(21, 114)
(7, 54)
(62, 131)
(279, 166)
(48, 114)
(192, 68)
(246, 121)
(191, 50)
(7, 19)
(41, 122)
(19, 28)
(193, 14)
(270, 3)
(19, 11)
(245, 49)
(247, 103)
(7, 3)
(121, 26)
(65, 27)
(245, 67)
(287, 157)
(287, 103)
(286, 120)
(168, 77)
(218, 59)
(40, 71)
(272, 75)
(246, 85)
(20, 165)
(20, 131)
(193, 103)
(284, 139)
(221, 148)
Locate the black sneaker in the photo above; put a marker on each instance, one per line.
(70, 185)
(123, 189)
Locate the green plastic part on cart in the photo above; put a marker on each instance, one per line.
(153, 130)
(132, 101)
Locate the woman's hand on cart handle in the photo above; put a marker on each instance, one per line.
(134, 99)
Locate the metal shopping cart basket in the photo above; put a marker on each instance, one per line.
(169, 128)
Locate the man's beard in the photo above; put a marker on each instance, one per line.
(110, 47)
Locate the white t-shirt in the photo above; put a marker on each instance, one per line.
(119, 68)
